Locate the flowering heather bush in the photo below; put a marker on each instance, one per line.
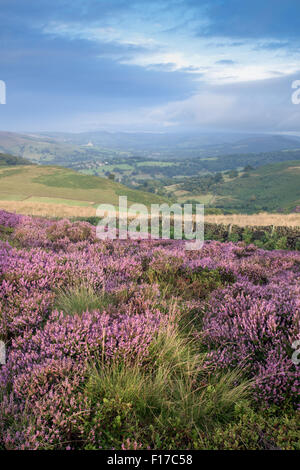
(10, 220)
(254, 327)
(242, 304)
(56, 235)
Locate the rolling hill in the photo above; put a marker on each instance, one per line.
(66, 149)
(270, 187)
(49, 151)
(256, 144)
(215, 143)
(274, 187)
(55, 186)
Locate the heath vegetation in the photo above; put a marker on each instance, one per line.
(142, 344)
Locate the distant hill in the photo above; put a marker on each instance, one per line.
(46, 150)
(210, 143)
(57, 185)
(270, 188)
(256, 144)
(66, 149)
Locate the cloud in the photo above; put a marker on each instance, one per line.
(194, 37)
(261, 107)
(149, 64)
(225, 62)
(255, 107)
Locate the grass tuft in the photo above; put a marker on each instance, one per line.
(173, 391)
(77, 300)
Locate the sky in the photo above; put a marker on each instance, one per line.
(150, 65)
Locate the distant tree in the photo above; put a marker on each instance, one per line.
(218, 178)
(233, 174)
(111, 176)
(248, 168)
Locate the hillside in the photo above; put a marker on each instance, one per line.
(57, 185)
(274, 187)
(67, 149)
(257, 144)
(270, 187)
(47, 150)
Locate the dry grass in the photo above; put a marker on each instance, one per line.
(62, 210)
(263, 218)
(46, 209)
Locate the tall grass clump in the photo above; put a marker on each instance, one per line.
(168, 401)
(78, 299)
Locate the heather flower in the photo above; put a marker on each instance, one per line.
(246, 301)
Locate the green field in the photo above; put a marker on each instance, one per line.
(64, 186)
(273, 188)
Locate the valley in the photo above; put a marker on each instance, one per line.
(150, 171)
